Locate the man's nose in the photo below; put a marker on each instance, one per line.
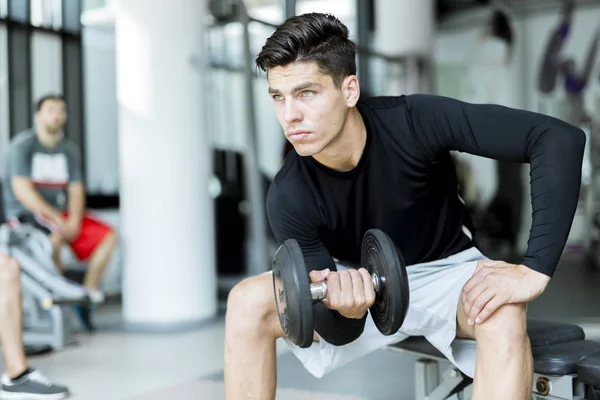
(291, 112)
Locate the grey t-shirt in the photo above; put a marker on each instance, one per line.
(51, 170)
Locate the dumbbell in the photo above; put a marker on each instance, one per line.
(294, 294)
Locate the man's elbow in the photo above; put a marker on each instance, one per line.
(578, 138)
(76, 188)
(569, 140)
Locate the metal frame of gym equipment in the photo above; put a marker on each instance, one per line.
(454, 385)
(46, 321)
(232, 11)
(47, 316)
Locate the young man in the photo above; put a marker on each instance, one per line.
(385, 163)
(44, 187)
(18, 381)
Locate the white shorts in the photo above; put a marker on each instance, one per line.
(435, 289)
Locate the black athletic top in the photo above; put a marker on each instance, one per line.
(405, 184)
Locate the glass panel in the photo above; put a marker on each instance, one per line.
(71, 17)
(19, 79)
(46, 65)
(93, 4)
(100, 111)
(57, 14)
(4, 114)
(46, 13)
(37, 12)
(3, 8)
(18, 10)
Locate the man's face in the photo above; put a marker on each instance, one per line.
(52, 115)
(310, 109)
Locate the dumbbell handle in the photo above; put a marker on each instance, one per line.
(318, 291)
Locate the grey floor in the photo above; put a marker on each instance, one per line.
(115, 364)
(380, 375)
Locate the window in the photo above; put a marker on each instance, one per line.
(46, 64)
(3, 8)
(46, 13)
(71, 15)
(18, 10)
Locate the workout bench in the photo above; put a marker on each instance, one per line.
(566, 366)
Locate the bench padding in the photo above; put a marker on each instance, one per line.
(557, 347)
(544, 333)
(562, 358)
(588, 369)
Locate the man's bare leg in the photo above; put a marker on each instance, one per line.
(251, 330)
(57, 242)
(10, 317)
(504, 364)
(99, 260)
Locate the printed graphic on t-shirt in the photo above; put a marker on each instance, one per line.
(49, 170)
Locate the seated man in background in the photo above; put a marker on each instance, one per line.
(18, 381)
(44, 187)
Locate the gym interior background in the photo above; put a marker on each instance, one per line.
(176, 122)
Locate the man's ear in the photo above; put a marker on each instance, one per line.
(351, 90)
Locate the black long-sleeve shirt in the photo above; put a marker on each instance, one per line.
(405, 184)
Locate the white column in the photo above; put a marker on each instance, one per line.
(403, 28)
(167, 216)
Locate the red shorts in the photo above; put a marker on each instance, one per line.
(91, 234)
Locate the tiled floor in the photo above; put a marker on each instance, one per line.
(113, 364)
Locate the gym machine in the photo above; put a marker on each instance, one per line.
(566, 365)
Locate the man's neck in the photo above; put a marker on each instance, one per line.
(345, 152)
(46, 138)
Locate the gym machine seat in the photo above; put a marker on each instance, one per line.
(588, 370)
(564, 363)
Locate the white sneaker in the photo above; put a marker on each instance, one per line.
(33, 386)
(96, 296)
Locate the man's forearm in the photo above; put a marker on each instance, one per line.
(76, 203)
(29, 197)
(335, 328)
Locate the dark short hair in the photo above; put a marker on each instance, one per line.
(316, 37)
(43, 99)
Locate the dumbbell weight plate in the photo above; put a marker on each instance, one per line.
(291, 287)
(379, 255)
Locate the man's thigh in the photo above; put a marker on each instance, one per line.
(463, 329)
(92, 233)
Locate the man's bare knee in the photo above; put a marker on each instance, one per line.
(112, 238)
(506, 327)
(251, 308)
(10, 271)
(57, 240)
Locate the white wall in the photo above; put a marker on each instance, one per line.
(473, 69)
(516, 86)
(585, 24)
(101, 141)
